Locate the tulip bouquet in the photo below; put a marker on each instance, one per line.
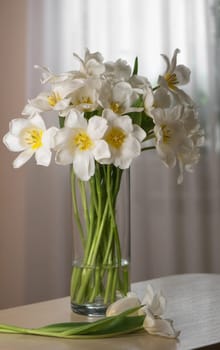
(108, 115)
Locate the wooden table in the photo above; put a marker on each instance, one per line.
(193, 304)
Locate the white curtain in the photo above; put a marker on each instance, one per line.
(174, 228)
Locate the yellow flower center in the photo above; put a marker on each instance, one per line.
(115, 107)
(82, 141)
(167, 133)
(85, 99)
(33, 138)
(54, 98)
(115, 137)
(171, 80)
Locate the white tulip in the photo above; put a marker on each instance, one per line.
(175, 76)
(29, 136)
(123, 138)
(123, 304)
(178, 137)
(80, 143)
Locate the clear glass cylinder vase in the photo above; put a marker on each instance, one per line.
(101, 240)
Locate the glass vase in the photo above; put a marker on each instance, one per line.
(101, 240)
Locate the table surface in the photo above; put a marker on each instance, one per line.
(193, 302)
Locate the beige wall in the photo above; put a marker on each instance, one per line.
(12, 98)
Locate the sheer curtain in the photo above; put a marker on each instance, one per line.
(174, 228)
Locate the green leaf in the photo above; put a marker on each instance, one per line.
(147, 123)
(136, 117)
(89, 115)
(61, 327)
(61, 121)
(106, 327)
(135, 69)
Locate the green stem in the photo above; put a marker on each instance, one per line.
(90, 261)
(84, 204)
(112, 213)
(75, 207)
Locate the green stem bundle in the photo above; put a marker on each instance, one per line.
(99, 274)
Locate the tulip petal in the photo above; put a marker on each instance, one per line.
(64, 156)
(43, 156)
(131, 147)
(22, 158)
(97, 126)
(62, 136)
(161, 327)
(122, 305)
(13, 143)
(182, 74)
(84, 166)
(75, 120)
(37, 121)
(138, 133)
(101, 150)
(48, 138)
(17, 125)
(124, 122)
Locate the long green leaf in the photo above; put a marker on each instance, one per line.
(106, 327)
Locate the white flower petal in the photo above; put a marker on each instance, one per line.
(64, 156)
(131, 147)
(38, 104)
(17, 125)
(122, 162)
(149, 320)
(138, 133)
(22, 158)
(29, 109)
(84, 165)
(173, 61)
(119, 70)
(183, 98)
(37, 121)
(97, 56)
(167, 155)
(43, 156)
(75, 120)
(159, 115)
(95, 68)
(61, 105)
(48, 138)
(48, 76)
(121, 91)
(160, 327)
(101, 150)
(97, 127)
(148, 100)
(182, 74)
(13, 143)
(155, 302)
(109, 115)
(162, 98)
(122, 305)
(62, 136)
(124, 122)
